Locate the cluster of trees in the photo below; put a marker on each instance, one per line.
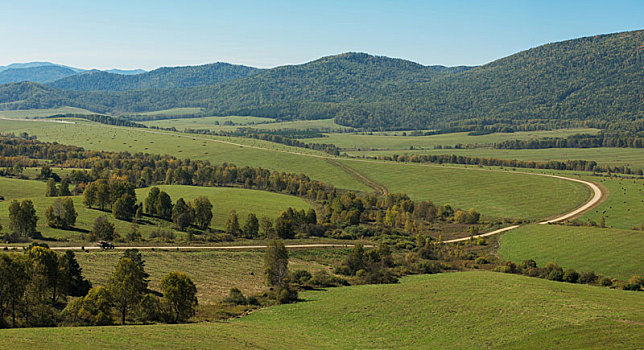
(580, 165)
(100, 118)
(576, 141)
(61, 213)
(22, 221)
(117, 195)
(42, 288)
(34, 286)
(53, 190)
(198, 212)
(554, 272)
(373, 266)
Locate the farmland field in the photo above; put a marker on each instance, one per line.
(244, 201)
(451, 310)
(214, 272)
(630, 157)
(34, 113)
(394, 141)
(493, 193)
(609, 252)
(624, 207)
(246, 122)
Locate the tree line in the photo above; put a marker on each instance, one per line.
(576, 141)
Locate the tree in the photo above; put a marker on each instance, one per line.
(13, 282)
(136, 257)
(151, 201)
(22, 218)
(48, 262)
(102, 194)
(182, 214)
(276, 264)
(284, 227)
(126, 286)
(124, 208)
(72, 281)
(203, 211)
(63, 190)
(251, 227)
(232, 224)
(164, 206)
(89, 195)
(61, 213)
(103, 229)
(95, 309)
(50, 189)
(180, 294)
(266, 226)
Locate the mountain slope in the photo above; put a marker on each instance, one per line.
(162, 78)
(39, 74)
(598, 78)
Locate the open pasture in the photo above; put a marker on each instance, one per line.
(450, 310)
(610, 252)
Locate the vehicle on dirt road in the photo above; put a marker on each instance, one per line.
(105, 245)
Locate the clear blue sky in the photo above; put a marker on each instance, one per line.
(150, 34)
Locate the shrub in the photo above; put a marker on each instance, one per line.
(481, 260)
(301, 276)
(606, 282)
(637, 281)
(588, 278)
(555, 275)
(286, 294)
(322, 278)
(236, 297)
(571, 276)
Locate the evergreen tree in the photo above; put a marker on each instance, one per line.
(232, 224)
(251, 227)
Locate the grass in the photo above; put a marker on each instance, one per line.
(213, 272)
(33, 113)
(174, 111)
(630, 157)
(609, 252)
(493, 193)
(261, 203)
(456, 310)
(214, 149)
(246, 122)
(391, 141)
(624, 207)
(244, 201)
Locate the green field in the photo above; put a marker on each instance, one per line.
(394, 141)
(630, 157)
(610, 252)
(624, 207)
(213, 272)
(244, 201)
(34, 113)
(173, 111)
(453, 310)
(246, 122)
(493, 193)
(261, 203)
(214, 149)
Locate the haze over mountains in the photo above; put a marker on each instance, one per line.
(595, 78)
(44, 72)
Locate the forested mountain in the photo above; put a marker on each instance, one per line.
(162, 78)
(39, 74)
(598, 78)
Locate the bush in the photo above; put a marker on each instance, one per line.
(322, 278)
(606, 282)
(555, 275)
(427, 267)
(301, 276)
(286, 294)
(571, 276)
(481, 260)
(236, 297)
(637, 281)
(588, 278)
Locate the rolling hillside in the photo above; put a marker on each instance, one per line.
(41, 74)
(162, 78)
(592, 78)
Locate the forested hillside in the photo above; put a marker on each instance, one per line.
(41, 74)
(596, 78)
(162, 78)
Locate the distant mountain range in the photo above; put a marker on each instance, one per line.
(595, 79)
(45, 72)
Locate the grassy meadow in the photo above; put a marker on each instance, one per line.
(394, 141)
(244, 201)
(610, 252)
(36, 113)
(493, 193)
(213, 272)
(452, 310)
(245, 122)
(624, 207)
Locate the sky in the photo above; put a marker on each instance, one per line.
(150, 34)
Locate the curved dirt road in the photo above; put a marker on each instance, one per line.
(236, 247)
(597, 196)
